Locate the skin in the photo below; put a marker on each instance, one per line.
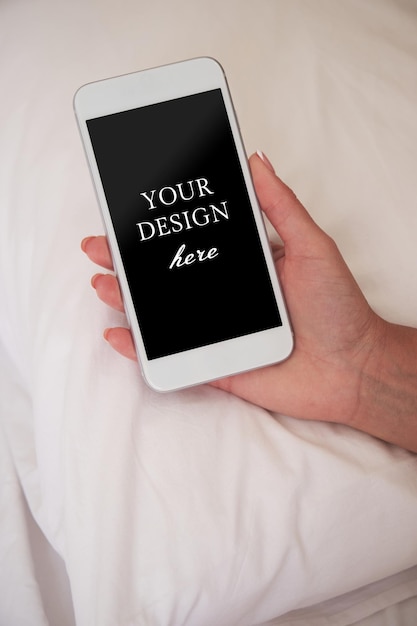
(348, 366)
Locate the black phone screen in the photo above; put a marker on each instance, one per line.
(184, 224)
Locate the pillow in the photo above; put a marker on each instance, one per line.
(196, 507)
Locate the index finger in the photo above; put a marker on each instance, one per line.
(97, 250)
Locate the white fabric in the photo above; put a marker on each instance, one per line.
(195, 507)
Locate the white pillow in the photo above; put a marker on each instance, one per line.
(196, 507)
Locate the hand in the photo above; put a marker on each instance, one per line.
(336, 333)
(333, 373)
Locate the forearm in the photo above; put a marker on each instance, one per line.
(388, 406)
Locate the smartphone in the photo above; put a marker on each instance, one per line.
(183, 223)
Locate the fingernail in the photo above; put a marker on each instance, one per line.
(85, 242)
(265, 159)
(94, 280)
(106, 334)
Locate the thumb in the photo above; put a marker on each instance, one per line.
(279, 203)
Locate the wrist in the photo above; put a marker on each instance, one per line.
(387, 406)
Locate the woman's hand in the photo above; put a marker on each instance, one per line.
(334, 371)
(107, 289)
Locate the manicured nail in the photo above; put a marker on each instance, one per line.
(94, 280)
(85, 242)
(265, 159)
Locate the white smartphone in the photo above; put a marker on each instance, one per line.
(184, 227)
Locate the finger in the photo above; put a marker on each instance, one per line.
(121, 340)
(97, 250)
(278, 251)
(108, 290)
(281, 206)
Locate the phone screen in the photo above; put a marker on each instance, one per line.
(184, 224)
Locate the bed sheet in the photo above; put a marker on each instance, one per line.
(195, 507)
(36, 579)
